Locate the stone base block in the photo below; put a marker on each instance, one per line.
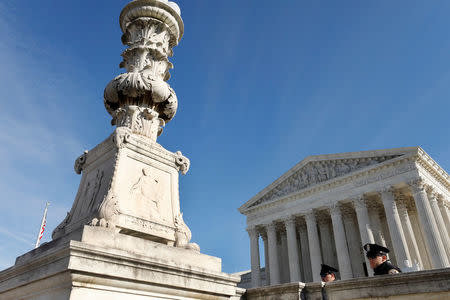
(104, 264)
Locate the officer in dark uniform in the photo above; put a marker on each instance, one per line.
(377, 256)
(328, 273)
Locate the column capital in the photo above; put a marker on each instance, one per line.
(289, 221)
(433, 196)
(252, 231)
(387, 190)
(270, 226)
(441, 201)
(347, 211)
(359, 202)
(335, 209)
(310, 216)
(417, 185)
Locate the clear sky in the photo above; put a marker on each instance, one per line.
(261, 85)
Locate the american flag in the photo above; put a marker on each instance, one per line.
(42, 229)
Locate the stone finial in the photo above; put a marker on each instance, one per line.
(141, 99)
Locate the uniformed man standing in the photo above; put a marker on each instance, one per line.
(377, 256)
(328, 273)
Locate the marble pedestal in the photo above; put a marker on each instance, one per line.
(99, 263)
(124, 237)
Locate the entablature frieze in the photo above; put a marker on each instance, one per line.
(350, 180)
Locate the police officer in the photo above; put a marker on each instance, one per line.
(328, 273)
(377, 256)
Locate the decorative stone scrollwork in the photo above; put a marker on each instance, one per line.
(183, 234)
(107, 212)
(120, 137)
(335, 209)
(252, 231)
(359, 202)
(140, 99)
(139, 120)
(417, 185)
(182, 162)
(79, 162)
(433, 196)
(271, 226)
(289, 221)
(310, 216)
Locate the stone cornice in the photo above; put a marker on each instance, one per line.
(432, 167)
(330, 184)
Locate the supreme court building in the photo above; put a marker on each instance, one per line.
(327, 206)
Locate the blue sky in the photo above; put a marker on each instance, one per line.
(261, 85)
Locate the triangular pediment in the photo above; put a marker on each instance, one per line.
(315, 170)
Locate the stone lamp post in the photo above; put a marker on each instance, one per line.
(130, 182)
(140, 101)
(124, 237)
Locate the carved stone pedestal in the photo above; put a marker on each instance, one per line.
(99, 263)
(130, 184)
(125, 237)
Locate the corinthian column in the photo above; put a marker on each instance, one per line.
(439, 221)
(304, 246)
(266, 258)
(294, 265)
(408, 230)
(273, 254)
(443, 206)
(341, 242)
(254, 253)
(395, 227)
(365, 229)
(434, 243)
(314, 245)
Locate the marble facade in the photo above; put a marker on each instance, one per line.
(125, 237)
(326, 207)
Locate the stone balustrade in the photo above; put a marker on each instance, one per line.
(430, 284)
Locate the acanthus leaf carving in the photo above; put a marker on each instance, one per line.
(150, 36)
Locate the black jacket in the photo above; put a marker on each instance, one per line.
(384, 268)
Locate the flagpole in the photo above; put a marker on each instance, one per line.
(42, 228)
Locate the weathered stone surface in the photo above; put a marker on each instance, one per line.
(109, 265)
(434, 284)
(364, 191)
(288, 291)
(130, 183)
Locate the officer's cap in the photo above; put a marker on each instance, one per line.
(374, 250)
(327, 270)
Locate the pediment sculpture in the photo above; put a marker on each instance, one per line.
(316, 172)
